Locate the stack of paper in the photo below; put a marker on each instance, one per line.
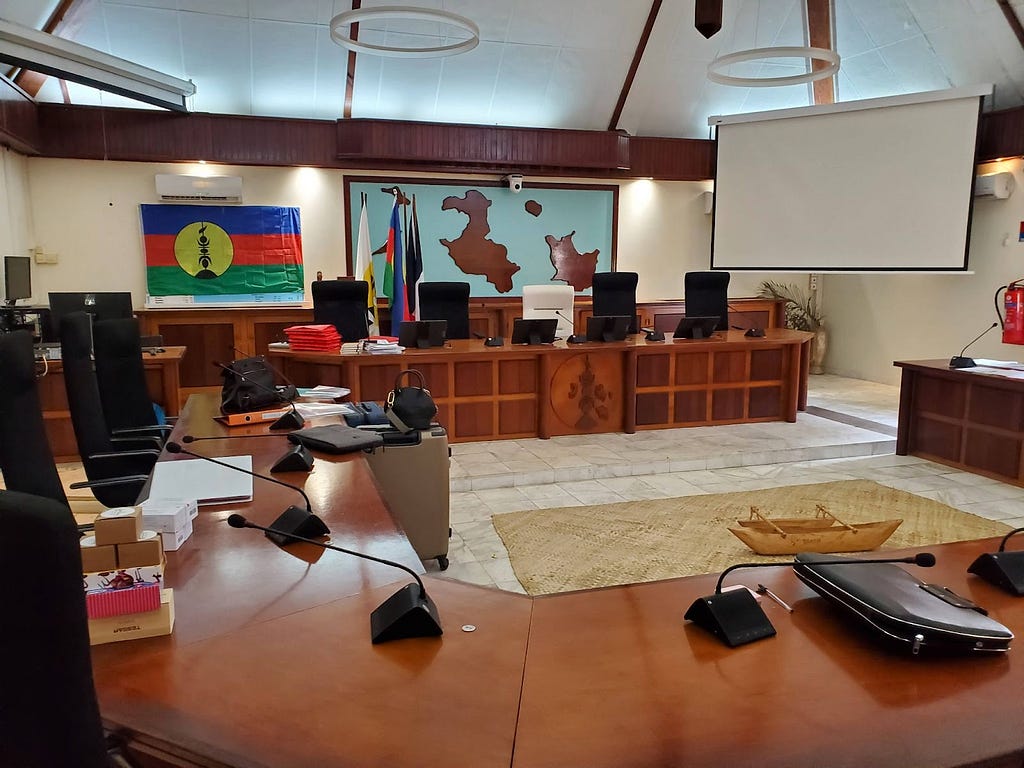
(351, 347)
(384, 348)
(323, 392)
(313, 338)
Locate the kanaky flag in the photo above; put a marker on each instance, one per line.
(395, 270)
(364, 269)
(413, 263)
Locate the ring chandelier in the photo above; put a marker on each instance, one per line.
(758, 54)
(404, 13)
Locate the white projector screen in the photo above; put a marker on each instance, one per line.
(876, 185)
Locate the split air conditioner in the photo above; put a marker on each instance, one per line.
(997, 185)
(199, 189)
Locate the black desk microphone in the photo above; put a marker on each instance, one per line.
(736, 618)
(1002, 568)
(408, 613)
(959, 361)
(292, 420)
(296, 459)
(294, 521)
(755, 331)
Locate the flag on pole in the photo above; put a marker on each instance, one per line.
(414, 263)
(389, 263)
(364, 269)
(399, 300)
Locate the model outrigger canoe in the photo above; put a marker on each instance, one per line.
(822, 533)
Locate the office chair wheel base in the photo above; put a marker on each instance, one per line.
(442, 562)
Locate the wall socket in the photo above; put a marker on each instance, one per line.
(44, 258)
(812, 282)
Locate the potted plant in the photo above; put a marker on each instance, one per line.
(802, 314)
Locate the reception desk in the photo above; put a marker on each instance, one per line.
(519, 391)
(270, 662)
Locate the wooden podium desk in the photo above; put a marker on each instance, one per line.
(271, 665)
(162, 381)
(519, 391)
(974, 421)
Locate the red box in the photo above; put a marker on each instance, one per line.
(118, 602)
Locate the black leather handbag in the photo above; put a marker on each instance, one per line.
(249, 386)
(410, 407)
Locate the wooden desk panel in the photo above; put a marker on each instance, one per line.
(974, 421)
(517, 391)
(162, 376)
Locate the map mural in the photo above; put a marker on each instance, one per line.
(494, 239)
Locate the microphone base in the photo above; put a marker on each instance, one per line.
(755, 333)
(296, 459)
(734, 617)
(961, 362)
(407, 613)
(1004, 569)
(291, 420)
(296, 521)
(654, 336)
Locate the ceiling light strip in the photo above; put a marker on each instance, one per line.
(831, 58)
(404, 13)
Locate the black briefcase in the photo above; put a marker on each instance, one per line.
(901, 609)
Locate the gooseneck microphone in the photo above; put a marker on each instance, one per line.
(292, 420)
(294, 521)
(735, 617)
(959, 361)
(922, 559)
(1002, 568)
(191, 439)
(296, 459)
(408, 613)
(755, 331)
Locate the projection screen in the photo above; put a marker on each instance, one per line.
(875, 185)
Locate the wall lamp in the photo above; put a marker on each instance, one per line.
(41, 52)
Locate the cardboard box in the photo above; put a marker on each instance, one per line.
(114, 578)
(146, 551)
(171, 540)
(119, 602)
(167, 515)
(135, 625)
(119, 525)
(97, 558)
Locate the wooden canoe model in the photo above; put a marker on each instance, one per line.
(822, 533)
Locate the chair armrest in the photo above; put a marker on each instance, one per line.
(122, 454)
(136, 443)
(106, 484)
(128, 431)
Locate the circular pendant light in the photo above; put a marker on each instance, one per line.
(404, 13)
(831, 58)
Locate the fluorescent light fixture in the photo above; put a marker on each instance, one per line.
(41, 52)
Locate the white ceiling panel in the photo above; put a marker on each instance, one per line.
(238, 8)
(218, 57)
(467, 85)
(28, 13)
(329, 77)
(299, 11)
(160, 50)
(915, 66)
(283, 63)
(520, 93)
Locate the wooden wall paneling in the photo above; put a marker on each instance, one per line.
(993, 453)
(438, 377)
(994, 406)
(1002, 134)
(765, 402)
(266, 331)
(938, 437)
(728, 404)
(205, 343)
(19, 119)
(728, 367)
(672, 159)
(474, 378)
(474, 420)
(517, 377)
(376, 381)
(690, 407)
(766, 364)
(652, 408)
(517, 418)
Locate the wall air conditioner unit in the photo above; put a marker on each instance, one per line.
(997, 185)
(199, 189)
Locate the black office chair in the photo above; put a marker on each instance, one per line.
(615, 294)
(121, 377)
(50, 715)
(26, 460)
(343, 304)
(706, 294)
(446, 301)
(127, 461)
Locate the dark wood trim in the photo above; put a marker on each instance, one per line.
(638, 54)
(1013, 20)
(350, 76)
(1001, 134)
(19, 119)
(819, 35)
(31, 81)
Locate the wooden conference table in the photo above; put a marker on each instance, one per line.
(270, 663)
(519, 391)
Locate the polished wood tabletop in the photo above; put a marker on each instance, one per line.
(271, 664)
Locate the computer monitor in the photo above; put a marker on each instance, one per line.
(102, 306)
(554, 302)
(422, 333)
(607, 327)
(696, 327)
(534, 331)
(17, 279)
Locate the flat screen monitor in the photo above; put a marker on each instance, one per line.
(17, 278)
(607, 327)
(696, 327)
(422, 333)
(536, 331)
(554, 302)
(101, 305)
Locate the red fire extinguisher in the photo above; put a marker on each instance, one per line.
(1012, 320)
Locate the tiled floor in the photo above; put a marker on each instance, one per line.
(847, 433)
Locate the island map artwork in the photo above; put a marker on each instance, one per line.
(494, 239)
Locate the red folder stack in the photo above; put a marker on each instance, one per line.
(313, 338)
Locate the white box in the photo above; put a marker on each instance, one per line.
(171, 540)
(168, 515)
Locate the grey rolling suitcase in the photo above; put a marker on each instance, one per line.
(412, 472)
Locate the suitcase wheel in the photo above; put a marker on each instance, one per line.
(442, 562)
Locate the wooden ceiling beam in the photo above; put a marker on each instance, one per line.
(819, 35)
(1013, 20)
(30, 81)
(638, 54)
(350, 75)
